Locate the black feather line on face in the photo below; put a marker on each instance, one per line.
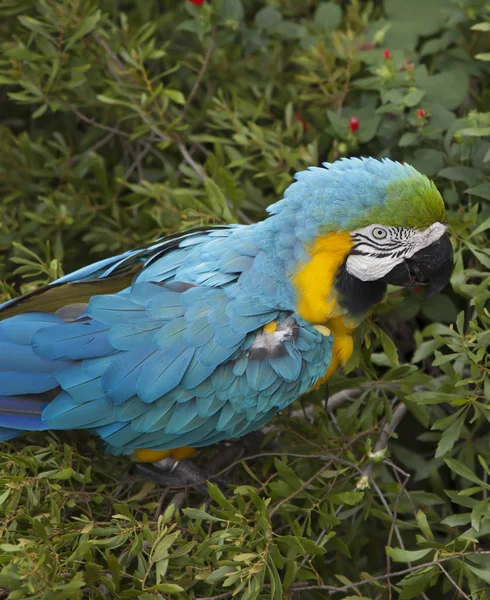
(376, 243)
(357, 296)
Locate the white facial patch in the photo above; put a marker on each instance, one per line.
(378, 249)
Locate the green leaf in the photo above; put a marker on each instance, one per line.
(482, 190)
(267, 17)
(217, 201)
(339, 123)
(413, 98)
(230, 9)
(440, 309)
(474, 131)
(414, 584)
(425, 350)
(196, 513)
(483, 226)
(409, 138)
(288, 30)
(217, 495)
(34, 25)
(220, 573)
(328, 15)
(477, 514)
(368, 129)
(86, 26)
(389, 346)
(457, 520)
(467, 174)
(449, 88)
(404, 556)
(481, 27)
(449, 437)
(350, 498)
(409, 14)
(483, 256)
(424, 526)
(428, 161)
(168, 588)
(484, 575)
(461, 469)
(175, 96)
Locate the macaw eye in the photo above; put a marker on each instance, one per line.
(379, 233)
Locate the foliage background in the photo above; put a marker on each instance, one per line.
(122, 120)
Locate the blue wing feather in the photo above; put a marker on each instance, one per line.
(162, 372)
(20, 328)
(81, 339)
(120, 379)
(14, 383)
(170, 361)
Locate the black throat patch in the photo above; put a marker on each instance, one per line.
(357, 296)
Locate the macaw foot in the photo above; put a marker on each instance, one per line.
(174, 469)
(176, 474)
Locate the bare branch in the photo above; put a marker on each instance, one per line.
(463, 594)
(93, 122)
(204, 67)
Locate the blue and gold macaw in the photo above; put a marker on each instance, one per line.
(205, 335)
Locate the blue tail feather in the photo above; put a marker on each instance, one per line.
(8, 434)
(22, 413)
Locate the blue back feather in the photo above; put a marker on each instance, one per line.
(169, 361)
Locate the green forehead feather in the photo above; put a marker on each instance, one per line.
(353, 193)
(413, 202)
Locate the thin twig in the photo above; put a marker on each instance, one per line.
(137, 163)
(204, 67)
(454, 583)
(93, 122)
(385, 435)
(165, 138)
(337, 400)
(393, 525)
(188, 158)
(244, 217)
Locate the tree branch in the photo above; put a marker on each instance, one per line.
(204, 67)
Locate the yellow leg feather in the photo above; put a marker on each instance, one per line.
(342, 348)
(144, 455)
(270, 327)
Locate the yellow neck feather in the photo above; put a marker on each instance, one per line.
(314, 281)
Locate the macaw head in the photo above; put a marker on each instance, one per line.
(391, 219)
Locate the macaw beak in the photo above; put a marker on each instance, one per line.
(431, 267)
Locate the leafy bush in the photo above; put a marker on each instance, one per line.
(124, 120)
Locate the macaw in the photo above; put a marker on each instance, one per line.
(205, 335)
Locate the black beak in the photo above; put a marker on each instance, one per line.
(431, 266)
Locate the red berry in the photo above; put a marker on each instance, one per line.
(300, 119)
(197, 2)
(461, 211)
(386, 53)
(354, 124)
(421, 113)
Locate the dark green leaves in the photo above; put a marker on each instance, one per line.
(120, 123)
(328, 15)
